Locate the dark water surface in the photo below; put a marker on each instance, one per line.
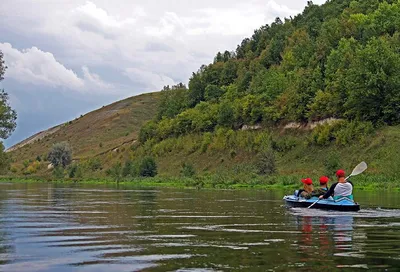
(47, 227)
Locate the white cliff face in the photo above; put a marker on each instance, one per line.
(255, 127)
(310, 125)
(295, 125)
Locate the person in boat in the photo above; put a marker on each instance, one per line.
(342, 188)
(307, 188)
(323, 187)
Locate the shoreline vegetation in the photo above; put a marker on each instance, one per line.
(364, 183)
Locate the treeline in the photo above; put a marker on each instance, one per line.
(337, 60)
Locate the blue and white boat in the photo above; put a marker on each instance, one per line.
(343, 204)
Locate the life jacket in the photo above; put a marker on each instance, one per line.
(338, 198)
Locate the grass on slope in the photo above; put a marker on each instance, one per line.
(97, 132)
(296, 158)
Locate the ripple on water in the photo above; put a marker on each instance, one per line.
(364, 213)
(133, 230)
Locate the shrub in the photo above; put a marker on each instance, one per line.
(26, 163)
(207, 139)
(283, 144)
(232, 153)
(30, 170)
(94, 164)
(115, 172)
(323, 134)
(353, 131)
(128, 169)
(14, 169)
(73, 169)
(60, 155)
(266, 162)
(341, 132)
(188, 170)
(147, 131)
(58, 172)
(332, 163)
(148, 167)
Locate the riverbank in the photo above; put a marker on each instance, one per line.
(363, 182)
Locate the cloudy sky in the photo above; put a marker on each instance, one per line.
(68, 57)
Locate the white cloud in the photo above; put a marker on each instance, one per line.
(93, 80)
(164, 38)
(37, 67)
(34, 66)
(90, 10)
(273, 10)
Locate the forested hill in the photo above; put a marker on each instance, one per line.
(340, 60)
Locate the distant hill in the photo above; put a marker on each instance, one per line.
(94, 133)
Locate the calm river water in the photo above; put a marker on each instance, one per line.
(47, 227)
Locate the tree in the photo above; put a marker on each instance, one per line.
(3, 66)
(225, 115)
(228, 74)
(212, 93)
(8, 116)
(4, 159)
(196, 89)
(60, 155)
(172, 101)
(374, 82)
(148, 167)
(218, 58)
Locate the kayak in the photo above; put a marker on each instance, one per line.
(343, 204)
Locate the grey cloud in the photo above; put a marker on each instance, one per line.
(89, 27)
(158, 47)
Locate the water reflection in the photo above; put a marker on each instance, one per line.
(326, 233)
(46, 227)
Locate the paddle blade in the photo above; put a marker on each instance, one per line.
(359, 169)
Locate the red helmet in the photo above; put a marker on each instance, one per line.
(323, 180)
(307, 181)
(340, 173)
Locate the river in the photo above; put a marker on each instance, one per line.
(53, 227)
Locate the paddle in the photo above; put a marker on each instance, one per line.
(361, 167)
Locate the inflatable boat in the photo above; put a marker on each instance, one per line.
(344, 204)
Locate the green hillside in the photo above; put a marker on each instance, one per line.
(301, 97)
(93, 135)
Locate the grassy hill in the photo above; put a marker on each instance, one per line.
(94, 134)
(108, 136)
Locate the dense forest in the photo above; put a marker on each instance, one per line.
(338, 60)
